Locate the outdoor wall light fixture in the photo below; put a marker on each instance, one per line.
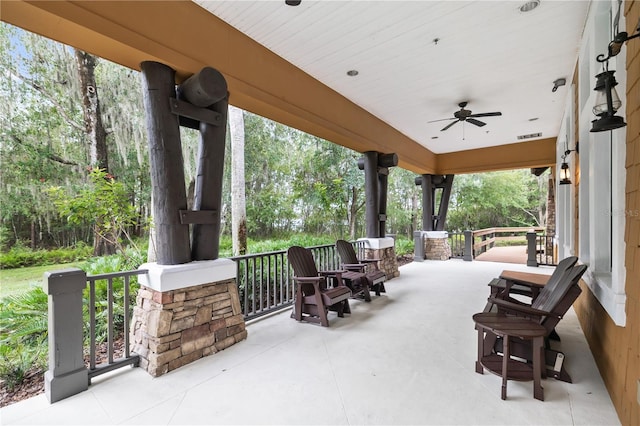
(607, 103)
(607, 99)
(565, 172)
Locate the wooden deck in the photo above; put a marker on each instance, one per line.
(512, 254)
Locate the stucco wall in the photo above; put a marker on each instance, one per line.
(617, 349)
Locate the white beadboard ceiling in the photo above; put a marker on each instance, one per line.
(488, 53)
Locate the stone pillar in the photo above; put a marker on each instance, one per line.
(383, 249)
(186, 312)
(67, 375)
(436, 245)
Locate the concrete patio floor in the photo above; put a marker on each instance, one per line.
(405, 358)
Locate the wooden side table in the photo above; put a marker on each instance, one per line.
(510, 327)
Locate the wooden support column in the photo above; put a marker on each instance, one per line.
(432, 220)
(376, 173)
(443, 209)
(166, 163)
(208, 91)
(383, 184)
(371, 193)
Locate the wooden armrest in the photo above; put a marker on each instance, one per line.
(353, 265)
(529, 284)
(308, 279)
(368, 260)
(523, 309)
(329, 273)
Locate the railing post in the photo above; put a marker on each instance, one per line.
(467, 254)
(418, 250)
(531, 249)
(67, 375)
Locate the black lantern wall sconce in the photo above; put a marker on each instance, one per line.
(607, 99)
(565, 172)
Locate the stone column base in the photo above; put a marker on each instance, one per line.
(436, 245)
(383, 249)
(175, 327)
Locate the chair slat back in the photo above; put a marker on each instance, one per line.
(549, 299)
(346, 252)
(556, 277)
(301, 260)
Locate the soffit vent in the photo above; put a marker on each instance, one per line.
(529, 136)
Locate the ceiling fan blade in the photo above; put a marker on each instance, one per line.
(444, 119)
(449, 125)
(476, 122)
(486, 114)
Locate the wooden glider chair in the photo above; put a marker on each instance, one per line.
(547, 309)
(350, 262)
(313, 296)
(526, 284)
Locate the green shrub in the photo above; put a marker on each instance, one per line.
(404, 246)
(15, 363)
(19, 256)
(23, 335)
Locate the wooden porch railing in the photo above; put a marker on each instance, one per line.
(485, 239)
(469, 244)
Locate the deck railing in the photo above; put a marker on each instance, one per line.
(265, 280)
(546, 253)
(456, 243)
(469, 244)
(265, 283)
(485, 239)
(114, 317)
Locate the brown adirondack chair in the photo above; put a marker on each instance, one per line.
(350, 262)
(547, 310)
(313, 295)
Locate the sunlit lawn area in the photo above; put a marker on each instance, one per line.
(18, 280)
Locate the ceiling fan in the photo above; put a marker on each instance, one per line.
(466, 115)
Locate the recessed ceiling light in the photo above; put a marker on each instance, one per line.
(352, 73)
(293, 2)
(529, 6)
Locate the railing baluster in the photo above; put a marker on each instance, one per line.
(126, 316)
(110, 319)
(92, 324)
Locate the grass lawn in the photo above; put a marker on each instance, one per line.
(18, 280)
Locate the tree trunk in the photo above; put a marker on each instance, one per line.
(95, 131)
(238, 205)
(353, 213)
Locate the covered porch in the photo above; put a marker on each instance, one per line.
(405, 358)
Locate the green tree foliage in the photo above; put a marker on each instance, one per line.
(508, 198)
(104, 203)
(43, 140)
